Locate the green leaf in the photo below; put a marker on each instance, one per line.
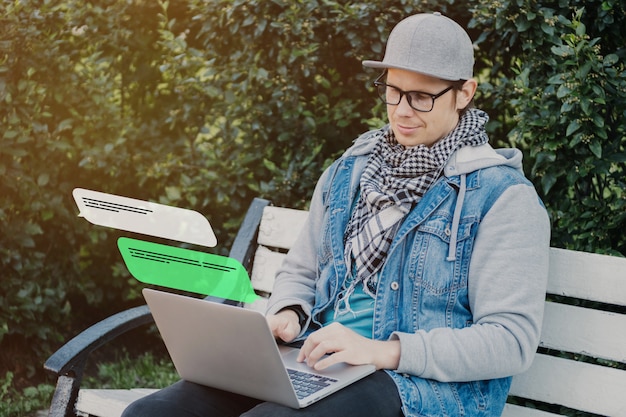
(562, 51)
(583, 71)
(610, 60)
(586, 105)
(10, 134)
(557, 79)
(270, 165)
(43, 179)
(547, 182)
(596, 148)
(522, 23)
(578, 137)
(65, 125)
(32, 228)
(572, 127)
(547, 29)
(598, 120)
(563, 91)
(173, 193)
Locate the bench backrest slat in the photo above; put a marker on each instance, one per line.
(599, 334)
(281, 226)
(266, 264)
(588, 276)
(578, 385)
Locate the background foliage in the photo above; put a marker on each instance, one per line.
(562, 77)
(205, 105)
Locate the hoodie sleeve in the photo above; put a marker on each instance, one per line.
(507, 282)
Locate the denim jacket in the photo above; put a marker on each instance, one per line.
(462, 287)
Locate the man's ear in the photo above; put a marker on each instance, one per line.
(466, 94)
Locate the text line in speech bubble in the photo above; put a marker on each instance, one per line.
(187, 270)
(153, 219)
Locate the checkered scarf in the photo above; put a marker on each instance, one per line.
(394, 180)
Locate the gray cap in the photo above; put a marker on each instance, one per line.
(430, 44)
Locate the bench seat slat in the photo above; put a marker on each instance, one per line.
(582, 386)
(108, 402)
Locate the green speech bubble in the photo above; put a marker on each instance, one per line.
(187, 270)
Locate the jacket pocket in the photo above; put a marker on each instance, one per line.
(429, 265)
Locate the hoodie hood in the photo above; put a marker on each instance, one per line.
(472, 158)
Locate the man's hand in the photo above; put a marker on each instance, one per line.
(345, 345)
(285, 325)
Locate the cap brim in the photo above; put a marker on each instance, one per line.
(382, 65)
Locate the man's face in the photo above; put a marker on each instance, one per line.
(412, 127)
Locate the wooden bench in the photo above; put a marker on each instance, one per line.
(580, 367)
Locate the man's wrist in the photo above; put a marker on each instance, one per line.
(302, 317)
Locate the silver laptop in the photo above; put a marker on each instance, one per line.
(232, 348)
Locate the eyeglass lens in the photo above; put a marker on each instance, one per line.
(417, 100)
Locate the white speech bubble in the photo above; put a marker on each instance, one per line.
(144, 217)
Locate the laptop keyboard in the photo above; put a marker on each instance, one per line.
(306, 383)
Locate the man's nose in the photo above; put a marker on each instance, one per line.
(404, 106)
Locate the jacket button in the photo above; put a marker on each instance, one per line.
(395, 286)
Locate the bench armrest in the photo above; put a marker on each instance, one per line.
(68, 363)
(73, 353)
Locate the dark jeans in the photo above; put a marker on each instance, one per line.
(375, 395)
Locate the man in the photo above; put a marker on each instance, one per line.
(425, 253)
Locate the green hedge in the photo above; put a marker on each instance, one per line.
(205, 105)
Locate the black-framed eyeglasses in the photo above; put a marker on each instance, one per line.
(418, 100)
